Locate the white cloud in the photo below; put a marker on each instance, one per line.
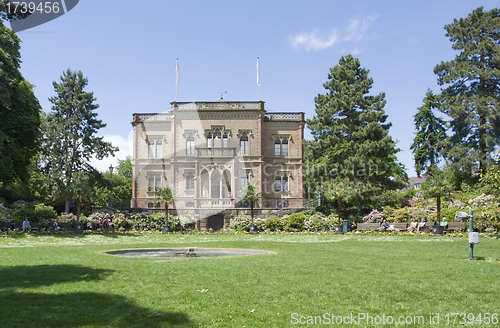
(355, 31)
(125, 146)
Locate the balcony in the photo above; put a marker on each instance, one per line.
(215, 152)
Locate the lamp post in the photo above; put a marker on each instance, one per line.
(111, 180)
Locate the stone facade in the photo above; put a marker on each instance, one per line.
(206, 152)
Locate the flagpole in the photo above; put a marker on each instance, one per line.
(176, 79)
(258, 80)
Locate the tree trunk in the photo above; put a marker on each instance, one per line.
(438, 201)
(78, 206)
(251, 210)
(166, 214)
(66, 206)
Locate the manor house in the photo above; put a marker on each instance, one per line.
(206, 152)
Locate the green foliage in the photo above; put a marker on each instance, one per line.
(22, 210)
(274, 223)
(122, 191)
(471, 95)
(19, 112)
(352, 154)
(396, 214)
(125, 167)
(164, 195)
(438, 185)
(294, 222)
(431, 131)
(45, 213)
(70, 135)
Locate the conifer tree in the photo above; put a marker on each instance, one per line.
(70, 139)
(431, 132)
(471, 97)
(351, 145)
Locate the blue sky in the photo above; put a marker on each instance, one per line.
(128, 53)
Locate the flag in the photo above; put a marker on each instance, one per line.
(177, 72)
(258, 74)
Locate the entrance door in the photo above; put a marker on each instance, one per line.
(216, 222)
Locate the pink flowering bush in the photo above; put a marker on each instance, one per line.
(99, 221)
(374, 217)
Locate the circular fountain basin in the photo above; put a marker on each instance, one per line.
(186, 252)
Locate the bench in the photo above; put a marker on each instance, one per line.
(428, 228)
(35, 225)
(399, 226)
(368, 226)
(452, 226)
(5, 226)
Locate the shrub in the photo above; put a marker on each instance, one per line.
(396, 215)
(241, 223)
(99, 220)
(22, 210)
(45, 213)
(374, 217)
(121, 222)
(5, 214)
(274, 223)
(294, 222)
(317, 222)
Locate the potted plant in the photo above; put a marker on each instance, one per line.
(164, 195)
(250, 194)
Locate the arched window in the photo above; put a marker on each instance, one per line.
(284, 183)
(217, 139)
(190, 181)
(155, 148)
(209, 140)
(190, 145)
(277, 147)
(244, 144)
(278, 183)
(284, 147)
(224, 140)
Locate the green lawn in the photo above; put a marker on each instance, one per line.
(63, 281)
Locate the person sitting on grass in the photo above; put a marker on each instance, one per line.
(421, 225)
(26, 225)
(413, 225)
(444, 223)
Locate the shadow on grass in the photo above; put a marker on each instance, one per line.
(22, 306)
(81, 309)
(26, 276)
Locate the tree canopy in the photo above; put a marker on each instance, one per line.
(70, 136)
(471, 93)
(19, 112)
(431, 132)
(351, 145)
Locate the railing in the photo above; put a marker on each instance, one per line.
(154, 117)
(215, 203)
(216, 152)
(218, 105)
(282, 116)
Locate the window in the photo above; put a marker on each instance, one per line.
(190, 181)
(209, 140)
(278, 183)
(154, 182)
(281, 182)
(224, 140)
(244, 144)
(190, 145)
(284, 147)
(217, 139)
(244, 180)
(280, 147)
(155, 148)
